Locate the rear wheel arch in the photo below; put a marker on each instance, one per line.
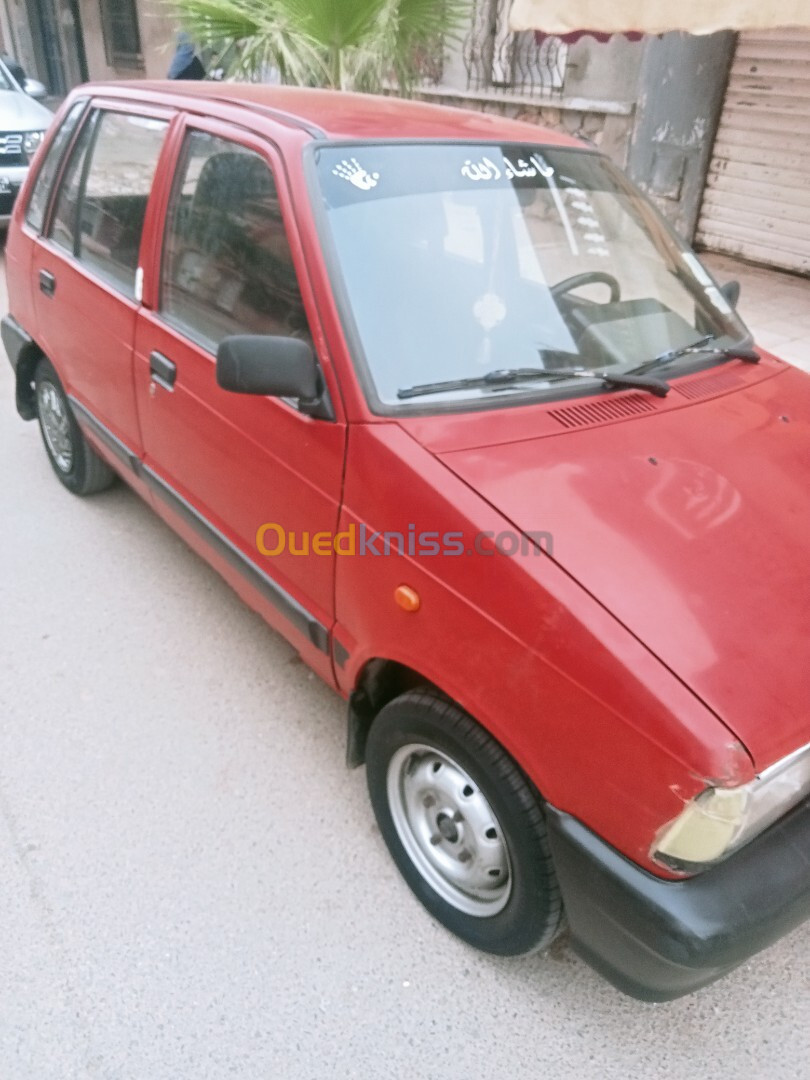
(27, 362)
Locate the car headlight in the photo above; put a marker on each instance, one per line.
(718, 821)
(31, 141)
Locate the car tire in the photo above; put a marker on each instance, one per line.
(75, 462)
(463, 825)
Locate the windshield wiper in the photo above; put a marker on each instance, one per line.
(508, 376)
(702, 345)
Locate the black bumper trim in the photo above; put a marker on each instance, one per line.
(657, 940)
(15, 339)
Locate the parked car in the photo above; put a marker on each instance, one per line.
(23, 123)
(443, 397)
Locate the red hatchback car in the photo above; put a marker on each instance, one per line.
(443, 397)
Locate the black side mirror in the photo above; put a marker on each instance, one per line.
(272, 366)
(731, 291)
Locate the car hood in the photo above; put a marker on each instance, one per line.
(692, 526)
(19, 112)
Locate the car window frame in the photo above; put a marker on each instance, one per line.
(36, 175)
(97, 106)
(273, 157)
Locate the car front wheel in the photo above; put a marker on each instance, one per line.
(463, 825)
(74, 461)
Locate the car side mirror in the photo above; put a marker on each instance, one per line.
(35, 89)
(731, 291)
(281, 367)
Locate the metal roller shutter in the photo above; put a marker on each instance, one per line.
(757, 198)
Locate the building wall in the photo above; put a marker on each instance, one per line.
(157, 30)
(20, 29)
(595, 99)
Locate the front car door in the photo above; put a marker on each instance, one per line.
(222, 465)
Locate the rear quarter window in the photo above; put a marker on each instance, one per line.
(38, 203)
(104, 193)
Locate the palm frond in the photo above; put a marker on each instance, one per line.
(346, 44)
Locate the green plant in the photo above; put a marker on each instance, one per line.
(343, 44)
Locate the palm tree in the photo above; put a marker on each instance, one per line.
(343, 44)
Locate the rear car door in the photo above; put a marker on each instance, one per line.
(224, 464)
(85, 267)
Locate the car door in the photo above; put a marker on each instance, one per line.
(222, 465)
(85, 267)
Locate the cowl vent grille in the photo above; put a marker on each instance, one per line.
(602, 412)
(712, 384)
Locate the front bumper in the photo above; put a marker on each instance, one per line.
(657, 939)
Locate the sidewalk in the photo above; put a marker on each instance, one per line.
(775, 306)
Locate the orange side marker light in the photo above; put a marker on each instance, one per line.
(407, 598)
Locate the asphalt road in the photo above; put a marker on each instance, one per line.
(192, 886)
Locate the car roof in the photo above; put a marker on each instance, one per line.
(342, 115)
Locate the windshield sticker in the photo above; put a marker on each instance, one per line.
(489, 310)
(486, 169)
(350, 169)
(482, 170)
(587, 221)
(536, 165)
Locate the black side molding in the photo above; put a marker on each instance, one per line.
(103, 434)
(281, 600)
(263, 583)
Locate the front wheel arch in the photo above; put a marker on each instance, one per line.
(380, 681)
(464, 825)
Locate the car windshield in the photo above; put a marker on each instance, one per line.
(462, 260)
(5, 79)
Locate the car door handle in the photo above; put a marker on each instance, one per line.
(163, 370)
(47, 282)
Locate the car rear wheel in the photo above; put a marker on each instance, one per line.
(74, 461)
(463, 825)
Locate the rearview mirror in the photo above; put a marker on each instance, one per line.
(272, 366)
(731, 291)
(35, 89)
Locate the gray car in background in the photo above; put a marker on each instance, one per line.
(23, 122)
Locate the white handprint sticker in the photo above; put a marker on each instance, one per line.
(350, 169)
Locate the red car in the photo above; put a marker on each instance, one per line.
(444, 398)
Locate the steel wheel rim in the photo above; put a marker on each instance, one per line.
(449, 830)
(55, 425)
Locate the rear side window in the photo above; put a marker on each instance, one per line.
(65, 215)
(227, 264)
(38, 203)
(102, 203)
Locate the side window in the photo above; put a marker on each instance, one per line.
(63, 223)
(227, 264)
(105, 192)
(38, 203)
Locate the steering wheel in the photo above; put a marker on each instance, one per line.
(592, 277)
